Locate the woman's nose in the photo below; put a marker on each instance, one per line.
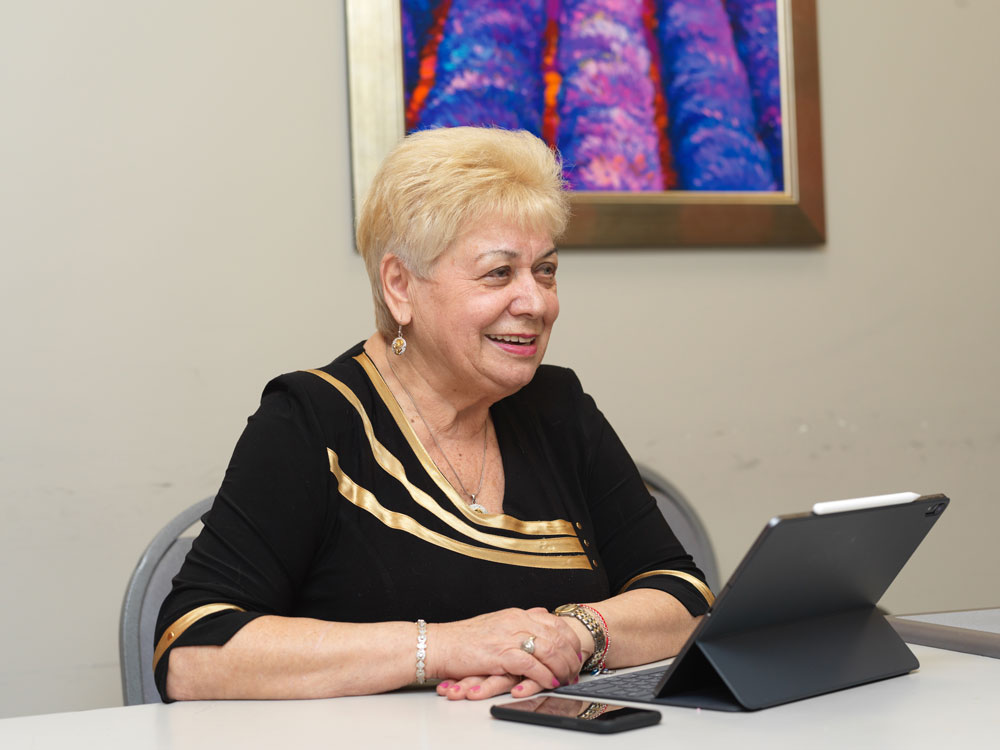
(529, 299)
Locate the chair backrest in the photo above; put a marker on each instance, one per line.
(685, 523)
(148, 587)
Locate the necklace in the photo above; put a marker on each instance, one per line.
(482, 472)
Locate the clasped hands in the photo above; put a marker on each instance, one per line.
(483, 656)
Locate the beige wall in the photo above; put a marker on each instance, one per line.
(175, 229)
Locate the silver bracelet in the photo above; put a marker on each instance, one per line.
(421, 651)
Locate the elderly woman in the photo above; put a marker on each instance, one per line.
(433, 505)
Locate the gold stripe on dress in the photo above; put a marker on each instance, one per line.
(393, 466)
(182, 623)
(365, 500)
(494, 520)
(699, 584)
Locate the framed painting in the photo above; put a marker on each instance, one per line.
(679, 122)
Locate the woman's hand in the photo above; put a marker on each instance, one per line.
(477, 688)
(485, 651)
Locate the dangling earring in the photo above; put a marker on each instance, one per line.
(399, 343)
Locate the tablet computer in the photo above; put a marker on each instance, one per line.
(798, 617)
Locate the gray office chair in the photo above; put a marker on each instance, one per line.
(147, 589)
(685, 523)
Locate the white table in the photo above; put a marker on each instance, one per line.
(972, 631)
(952, 701)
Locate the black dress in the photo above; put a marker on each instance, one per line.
(332, 509)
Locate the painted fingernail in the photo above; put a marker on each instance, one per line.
(446, 683)
(519, 687)
(475, 688)
(579, 655)
(455, 688)
(555, 682)
(576, 679)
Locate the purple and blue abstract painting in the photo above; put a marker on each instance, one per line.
(637, 95)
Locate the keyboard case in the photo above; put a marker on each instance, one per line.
(798, 618)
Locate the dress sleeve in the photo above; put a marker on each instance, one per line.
(636, 545)
(260, 535)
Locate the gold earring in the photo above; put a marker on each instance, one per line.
(399, 343)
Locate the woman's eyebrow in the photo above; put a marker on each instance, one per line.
(512, 253)
(502, 253)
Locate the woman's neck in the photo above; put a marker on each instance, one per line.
(418, 388)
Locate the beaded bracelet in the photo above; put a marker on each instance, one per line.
(421, 651)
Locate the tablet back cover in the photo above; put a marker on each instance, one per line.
(798, 617)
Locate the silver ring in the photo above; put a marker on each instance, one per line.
(528, 645)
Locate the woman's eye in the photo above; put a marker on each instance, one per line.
(547, 269)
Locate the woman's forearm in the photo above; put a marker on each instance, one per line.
(645, 625)
(286, 657)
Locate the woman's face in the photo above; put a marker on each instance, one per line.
(484, 315)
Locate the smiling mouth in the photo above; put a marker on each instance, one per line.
(521, 340)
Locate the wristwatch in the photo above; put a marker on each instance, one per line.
(594, 627)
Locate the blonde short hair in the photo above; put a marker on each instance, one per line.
(435, 184)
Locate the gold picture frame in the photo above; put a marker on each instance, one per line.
(792, 216)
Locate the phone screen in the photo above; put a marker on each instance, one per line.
(582, 715)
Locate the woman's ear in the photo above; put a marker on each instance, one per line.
(396, 279)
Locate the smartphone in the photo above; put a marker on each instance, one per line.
(582, 715)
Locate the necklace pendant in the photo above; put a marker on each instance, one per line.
(477, 507)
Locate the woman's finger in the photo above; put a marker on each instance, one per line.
(491, 686)
(443, 686)
(562, 662)
(558, 629)
(477, 688)
(460, 689)
(525, 688)
(556, 645)
(517, 662)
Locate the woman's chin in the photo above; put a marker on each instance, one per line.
(511, 379)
